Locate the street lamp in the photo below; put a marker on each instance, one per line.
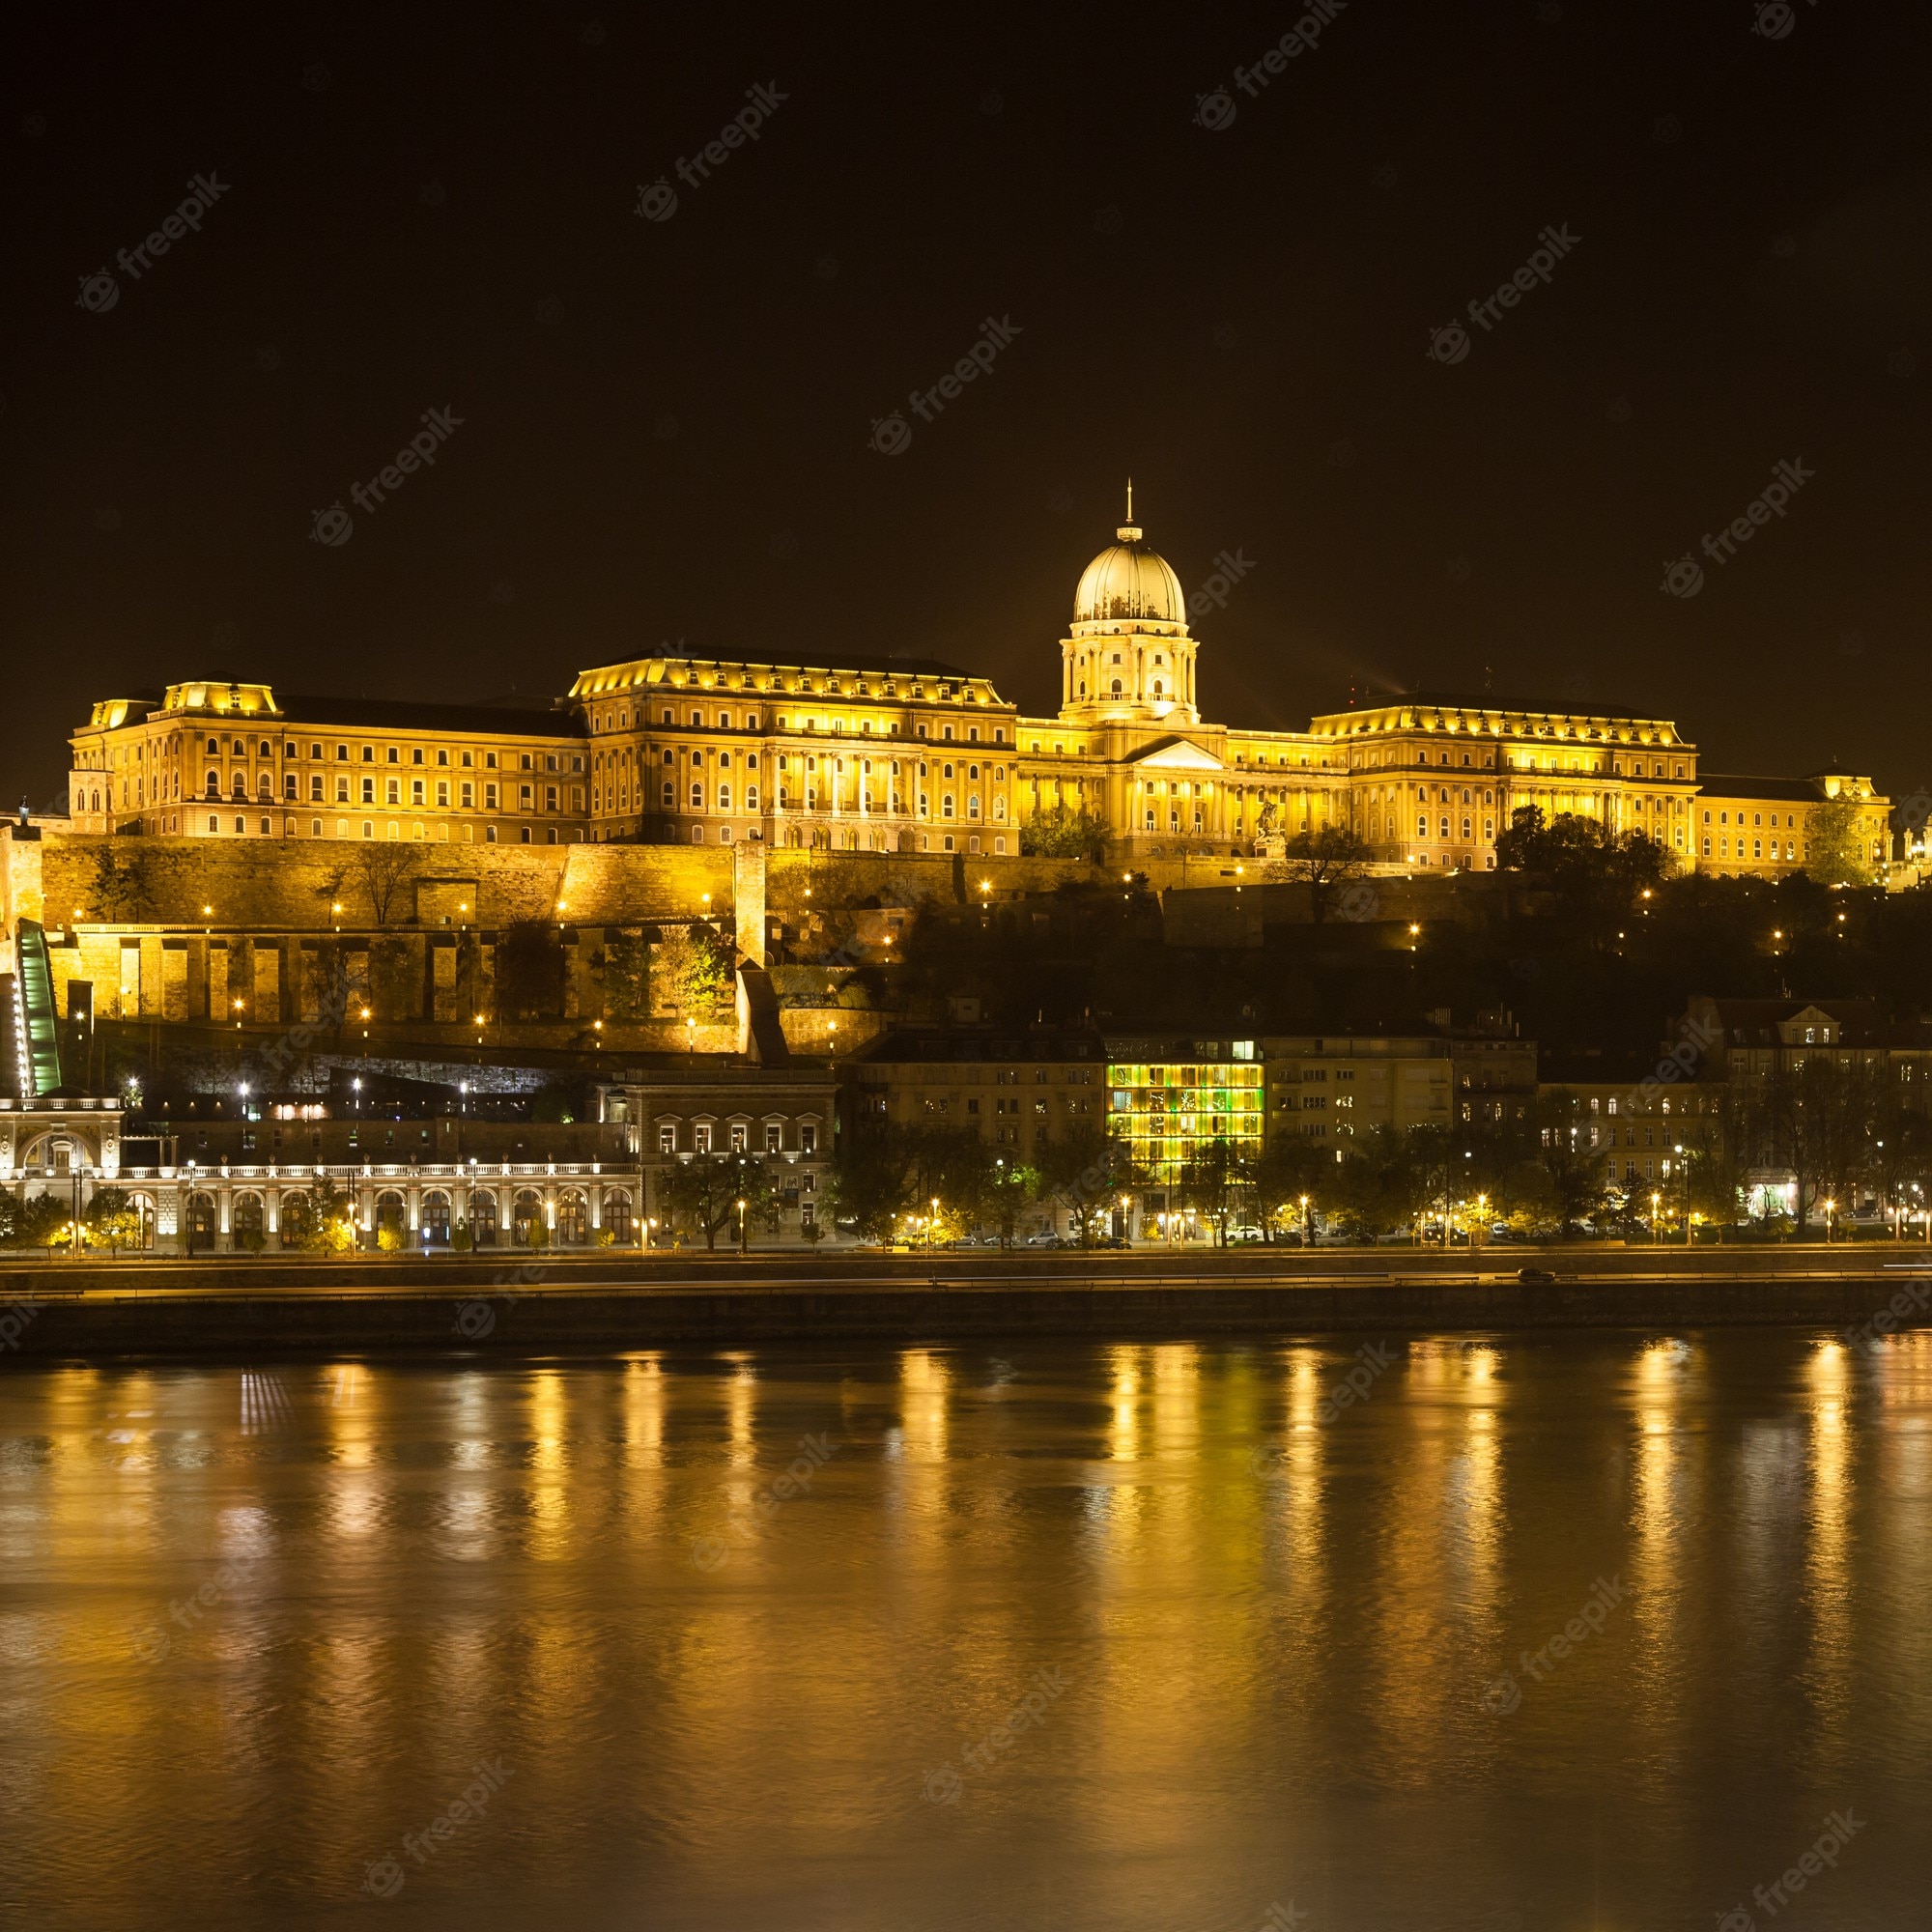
(1655, 1198)
(741, 1227)
(1307, 1230)
(1830, 1210)
(931, 1223)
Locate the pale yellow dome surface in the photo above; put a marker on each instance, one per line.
(1127, 581)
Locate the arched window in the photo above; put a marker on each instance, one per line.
(1117, 687)
(436, 1219)
(573, 1218)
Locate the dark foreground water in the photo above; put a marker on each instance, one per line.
(1064, 1637)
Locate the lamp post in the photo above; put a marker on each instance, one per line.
(1655, 1200)
(931, 1222)
(1307, 1225)
(741, 1226)
(1830, 1215)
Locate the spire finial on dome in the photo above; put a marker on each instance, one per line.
(1130, 531)
(1131, 499)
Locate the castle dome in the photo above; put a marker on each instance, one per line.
(1127, 581)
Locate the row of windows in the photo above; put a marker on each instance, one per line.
(526, 835)
(697, 720)
(368, 754)
(701, 1139)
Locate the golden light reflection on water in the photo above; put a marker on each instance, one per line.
(1828, 1577)
(1439, 1555)
(1662, 1483)
(468, 1561)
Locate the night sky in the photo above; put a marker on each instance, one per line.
(667, 425)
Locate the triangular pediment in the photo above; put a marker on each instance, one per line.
(1175, 754)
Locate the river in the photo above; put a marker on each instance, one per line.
(1512, 1635)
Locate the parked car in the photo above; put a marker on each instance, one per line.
(1536, 1277)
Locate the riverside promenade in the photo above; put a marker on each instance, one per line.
(87, 1310)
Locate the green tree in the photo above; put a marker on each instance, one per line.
(1012, 1183)
(1061, 831)
(114, 1217)
(1216, 1183)
(1392, 1181)
(690, 974)
(872, 1177)
(701, 1196)
(1290, 1171)
(37, 1221)
(1836, 834)
(1083, 1173)
(319, 1219)
(1598, 874)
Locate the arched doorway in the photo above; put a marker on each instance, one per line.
(436, 1219)
(249, 1221)
(391, 1220)
(525, 1212)
(201, 1223)
(483, 1218)
(573, 1220)
(617, 1214)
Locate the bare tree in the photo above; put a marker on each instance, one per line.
(1324, 862)
(383, 870)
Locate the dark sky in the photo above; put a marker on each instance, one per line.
(665, 424)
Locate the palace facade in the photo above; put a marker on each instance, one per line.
(846, 752)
